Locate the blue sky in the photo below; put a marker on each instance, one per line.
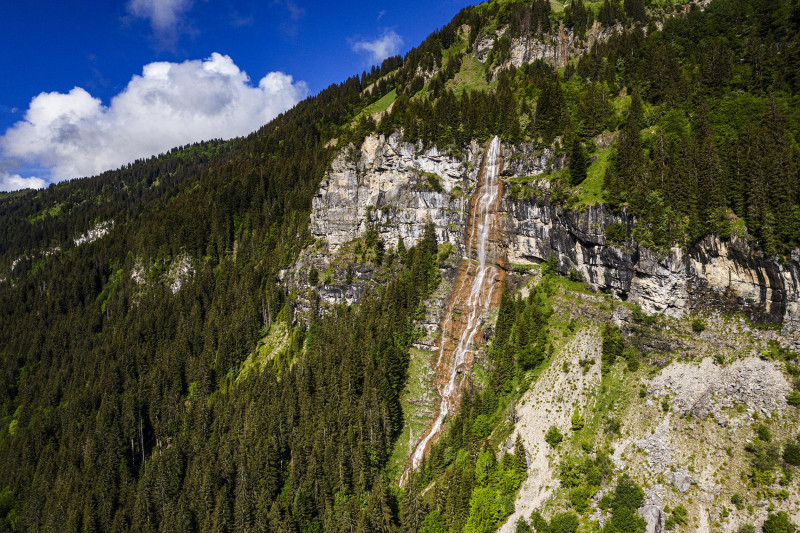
(91, 85)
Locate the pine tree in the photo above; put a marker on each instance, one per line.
(401, 249)
(629, 157)
(519, 453)
(779, 164)
(550, 109)
(635, 11)
(379, 512)
(612, 188)
(506, 315)
(413, 508)
(577, 163)
(711, 208)
(608, 13)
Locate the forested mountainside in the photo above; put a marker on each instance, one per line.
(187, 344)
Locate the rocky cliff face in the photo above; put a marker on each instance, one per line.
(389, 187)
(394, 187)
(711, 275)
(555, 48)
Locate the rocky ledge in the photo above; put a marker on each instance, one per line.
(712, 275)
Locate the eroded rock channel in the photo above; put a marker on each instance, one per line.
(478, 288)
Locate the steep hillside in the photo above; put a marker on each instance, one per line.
(692, 350)
(684, 414)
(540, 273)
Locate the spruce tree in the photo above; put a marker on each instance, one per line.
(519, 453)
(629, 157)
(413, 508)
(608, 13)
(711, 206)
(612, 189)
(577, 163)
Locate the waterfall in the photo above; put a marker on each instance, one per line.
(477, 289)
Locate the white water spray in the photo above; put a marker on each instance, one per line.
(480, 278)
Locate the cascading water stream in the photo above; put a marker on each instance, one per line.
(477, 289)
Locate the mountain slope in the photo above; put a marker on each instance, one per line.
(221, 337)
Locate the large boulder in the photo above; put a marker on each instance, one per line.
(681, 481)
(653, 517)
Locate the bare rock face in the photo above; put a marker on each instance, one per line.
(555, 48)
(653, 517)
(657, 447)
(711, 275)
(681, 481)
(99, 231)
(394, 187)
(704, 388)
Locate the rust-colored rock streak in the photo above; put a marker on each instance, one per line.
(478, 288)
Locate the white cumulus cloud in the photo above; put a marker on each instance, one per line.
(379, 49)
(13, 182)
(170, 104)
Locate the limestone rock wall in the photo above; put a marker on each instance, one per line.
(394, 187)
(555, 48)
(711, 275)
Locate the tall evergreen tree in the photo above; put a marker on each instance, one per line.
(578, 163)
(629, 157)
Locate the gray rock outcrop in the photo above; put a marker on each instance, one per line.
(393, 187)
(555, 48)
(653, 517)
(657, 447)
(704, 388)
(681, 481)
(710, 275)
